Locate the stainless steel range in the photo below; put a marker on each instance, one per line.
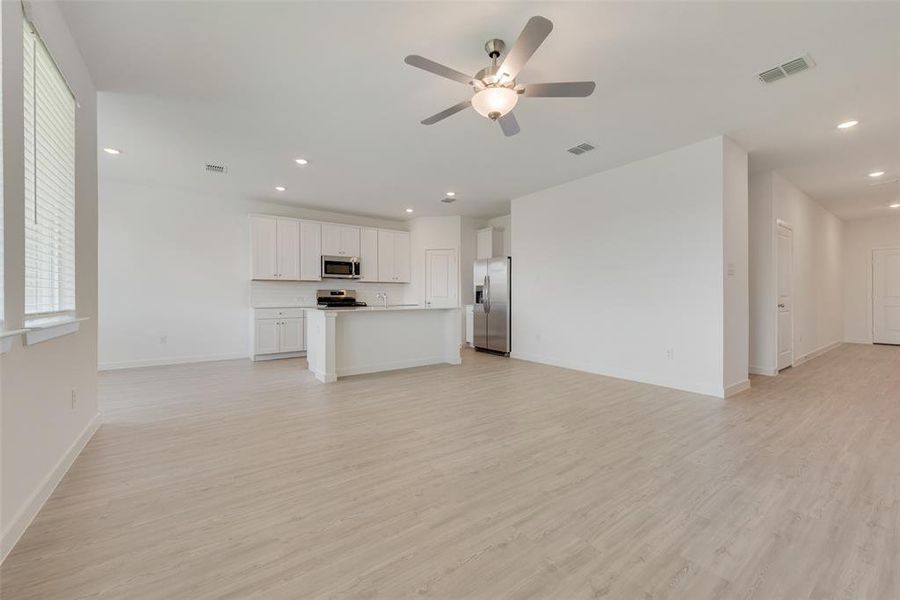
(337, 299)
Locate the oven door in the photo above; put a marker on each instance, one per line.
(340, 267)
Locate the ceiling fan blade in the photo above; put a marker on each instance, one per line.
(437, 68)
(447, 112)
(509, 124)
(566, 89)
(533, 35)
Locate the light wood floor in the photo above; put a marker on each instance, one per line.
(495, 479)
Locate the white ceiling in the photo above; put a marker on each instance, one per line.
(255, 84)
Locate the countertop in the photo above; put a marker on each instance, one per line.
(389, 308)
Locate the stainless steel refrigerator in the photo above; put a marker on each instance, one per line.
(493, 315)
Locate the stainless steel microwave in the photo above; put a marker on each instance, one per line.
(340, 267)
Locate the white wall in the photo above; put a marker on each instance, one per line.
(860, 238)
(817, 269)
(736, 249)
(818, 298)
(763, 324)
(641, 248)
(41, 432)
(175, 264)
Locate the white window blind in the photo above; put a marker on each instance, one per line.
(49, 183)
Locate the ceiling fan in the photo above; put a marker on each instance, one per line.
(496, 90)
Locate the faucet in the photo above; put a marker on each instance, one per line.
(382, 296)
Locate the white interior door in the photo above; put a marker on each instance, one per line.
(785, 297)
(886, 296)
(441, 279)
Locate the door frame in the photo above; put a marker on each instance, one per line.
(870, 289)
(786, 225)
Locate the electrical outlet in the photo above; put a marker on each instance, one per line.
(74, 400)
(163, 340)
(670, 354)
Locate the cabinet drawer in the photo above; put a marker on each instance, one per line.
(278, 313)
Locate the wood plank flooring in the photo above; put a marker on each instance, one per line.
(493, 479)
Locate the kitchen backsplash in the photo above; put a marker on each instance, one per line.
(303, 293)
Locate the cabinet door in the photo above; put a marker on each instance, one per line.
(291, 335)
(263, 247)
(331, 239)
(266, 336)
(368, 254)
(349, 241)
(401, 257)
(288, 249)
(386, 252)
(310, 251)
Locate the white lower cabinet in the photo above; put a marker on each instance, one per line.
(277, 332)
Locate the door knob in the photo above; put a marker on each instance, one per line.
(781, 306)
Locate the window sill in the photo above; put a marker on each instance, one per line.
(43, 329)
(6, 338)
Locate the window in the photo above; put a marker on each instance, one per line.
(49, 183)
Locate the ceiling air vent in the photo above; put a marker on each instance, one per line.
(216, 168)
(580, 148)
(791, 67)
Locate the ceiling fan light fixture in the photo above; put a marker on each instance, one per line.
(494, 102)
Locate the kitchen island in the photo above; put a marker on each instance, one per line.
(369, 339)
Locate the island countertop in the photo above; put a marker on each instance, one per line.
(375, 308)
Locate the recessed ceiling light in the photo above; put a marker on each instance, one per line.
(897, 205)
(301, 161)
(848, 124)
(451, 194)
(112, 151)
(876, 173)
(409, 210)
(280, 188)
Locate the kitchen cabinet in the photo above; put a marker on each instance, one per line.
(368, 254)
(287, 255)
(393, 256)
(263, 247)
(278, 331)
(490, 242)
(340, 240)
(275, 248)
(310, 251)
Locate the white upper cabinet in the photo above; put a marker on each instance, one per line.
(275, 245)
(401, 256)
(340, 240)
(263, 246)
(393, 256)
(385, 255)
(285, 249)
(490, 242)
(287, 256)
(368, 254)
(310, 251)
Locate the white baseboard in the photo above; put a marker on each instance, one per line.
(159, 362)
(768, 371)
(816, 353)
(26, 515)
(857, 341)
(737, 388)
(696, 388)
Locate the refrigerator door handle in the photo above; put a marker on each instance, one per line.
(486, 295)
